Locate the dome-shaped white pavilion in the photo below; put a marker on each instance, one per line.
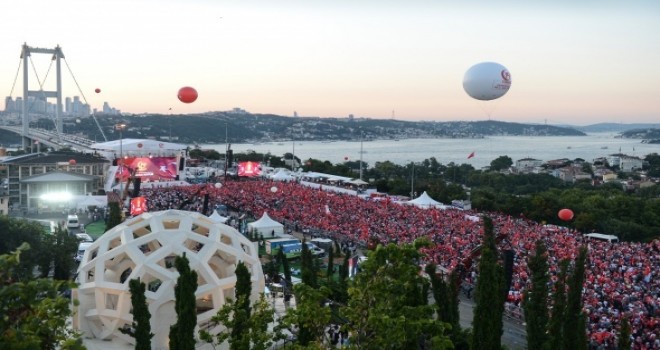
(145, 247)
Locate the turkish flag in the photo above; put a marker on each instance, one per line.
(471, 155)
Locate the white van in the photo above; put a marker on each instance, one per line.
(72, 221)
(82, 247)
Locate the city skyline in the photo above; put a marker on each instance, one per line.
(578, 63)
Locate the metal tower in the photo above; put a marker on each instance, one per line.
(57, 56)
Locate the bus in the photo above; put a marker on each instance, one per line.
(273, 244)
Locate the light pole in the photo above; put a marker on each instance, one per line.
(361, 152)
(412, 182)
(121, 128)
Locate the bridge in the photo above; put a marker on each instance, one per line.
(39, 138)
(33, 139)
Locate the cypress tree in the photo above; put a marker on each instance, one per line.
(242, 309)
(182, 333)
(555, 328)
(487, 322)
(623, 342)
(285, 266)
(141, 329)
(307, 270)
(575, 324)
(536, 299)
(440, 293)
(114, 217)
(331, 266)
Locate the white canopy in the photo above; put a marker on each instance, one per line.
(266, 226)
(425, 201)
(82, 202)
(218, 218)
(359, 182)
(282, 176)
(137, 145)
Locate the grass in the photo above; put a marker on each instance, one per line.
(95, 229)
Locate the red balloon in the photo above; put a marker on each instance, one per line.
(97, 90)
(72, 162)
(566, 214)
(345, 158)
(187, 94)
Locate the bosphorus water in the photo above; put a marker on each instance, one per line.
(544, 148)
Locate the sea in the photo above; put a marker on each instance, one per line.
(446, 150)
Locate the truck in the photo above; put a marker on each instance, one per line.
(273, 244)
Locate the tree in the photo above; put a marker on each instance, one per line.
(63, 250)
(387, 307)
(309, 319)
(15, 232)
(489, 293)
(331, 267)
(246, 325)
(182, 333)
(555, 328)
(114, 217)
(501, 163)
(536, 299)
(307, 269)
(624, 342)
(34, 311)
(574, 333)
(285, 266)
(141, 327)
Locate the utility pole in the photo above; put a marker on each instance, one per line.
(412, 182)
(361, 141)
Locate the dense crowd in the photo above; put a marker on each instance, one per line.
(622, 279)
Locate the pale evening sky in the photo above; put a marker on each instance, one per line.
(576, 62)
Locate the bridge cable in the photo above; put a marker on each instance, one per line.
(18, 71)
(85, 99)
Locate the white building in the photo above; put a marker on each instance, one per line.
(145, 247)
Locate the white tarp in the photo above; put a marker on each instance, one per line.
(82, 202)
(425, 201)
(282, 176)
(218, 218)
(266, 226)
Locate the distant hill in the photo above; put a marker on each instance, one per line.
(648, 135)
(614, 127)
(213, 127)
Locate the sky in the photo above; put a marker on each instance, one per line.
(571, 62)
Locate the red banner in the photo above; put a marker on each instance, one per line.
(249, 169)
(138, 205)
(148, 169)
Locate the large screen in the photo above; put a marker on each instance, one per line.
(148, 169)
(138, 205)
(249, 169)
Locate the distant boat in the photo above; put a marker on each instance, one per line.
(604, 147)
(569, 147)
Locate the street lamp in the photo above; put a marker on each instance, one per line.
(121, 128)
(412, 181)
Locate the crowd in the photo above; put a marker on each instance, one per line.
(622, 279)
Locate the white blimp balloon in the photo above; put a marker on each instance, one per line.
(487, 81)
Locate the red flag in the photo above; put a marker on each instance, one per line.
(471, 155)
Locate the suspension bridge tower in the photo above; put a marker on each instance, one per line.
(57, 55)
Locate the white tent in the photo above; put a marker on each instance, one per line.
(282, 176)
(218, 218)
(82, 202)
(266, 226)
(425, 201)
